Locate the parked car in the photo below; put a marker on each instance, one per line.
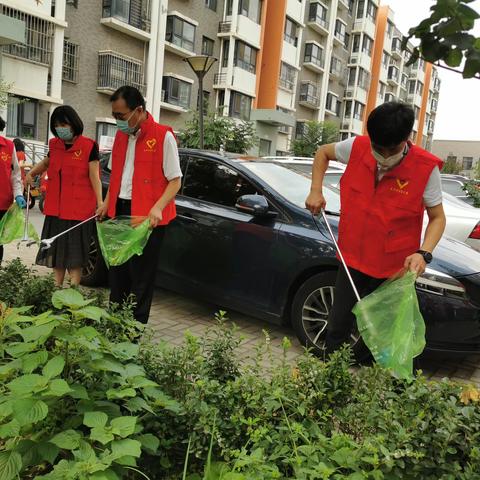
(243, 240)
(454, 185)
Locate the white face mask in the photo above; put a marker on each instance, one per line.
(388, 162)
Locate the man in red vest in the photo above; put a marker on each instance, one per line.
(145, 178)
(386, 187)
(10, 178)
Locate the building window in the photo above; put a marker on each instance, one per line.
(70, 61)
(318, 13)
(393, 73)
(287, 76)
(22, 117)
(390, 29)
(251, 9)
(207, 46)
(358, 111)
(467, 163)
(411, 87)
(39, 33)
(264, 147)
(340, 30)
(115, 70)
(229, 7)
(356, 43)
(211, 4)
(336, 66)
(226, 53)
(385, 59)
(308, 93)
(363, 80)
(133, 12)
(245, 56)
(416, 111)
(290, 34)
(333, 104)
(177, 92)
(352, 73)
(381, 91)
(313, 54)
(348, 109)
(360, 8)
(404, 80)
(299, 130)
(419, 88)
(240, 105)
(105, 130)
(371, 11)
(180, 33)
(367, 45)
(351, 5)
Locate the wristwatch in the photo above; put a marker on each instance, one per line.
(427, 256)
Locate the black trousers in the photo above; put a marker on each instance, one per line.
(137, 275)
(2, 213)
(341, 319)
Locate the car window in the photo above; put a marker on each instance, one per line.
(216, 183)
(453, 187)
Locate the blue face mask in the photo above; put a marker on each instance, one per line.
(64, 133)
(123, 126)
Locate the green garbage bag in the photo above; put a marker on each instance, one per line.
(392, 326)
(12, 226)
(121, 238)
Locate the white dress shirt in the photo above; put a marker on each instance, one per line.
(171, 163)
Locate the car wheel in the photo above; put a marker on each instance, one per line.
(310, 311)
(94, 274)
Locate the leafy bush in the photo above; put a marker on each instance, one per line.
(473, 190)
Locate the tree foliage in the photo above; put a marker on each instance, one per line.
(314, 134)
(219, 133)
(451, 166)
(446, 37)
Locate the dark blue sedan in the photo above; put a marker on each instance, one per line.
(243, 240)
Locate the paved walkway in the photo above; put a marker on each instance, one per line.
(172, 315)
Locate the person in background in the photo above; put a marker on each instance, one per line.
(20, 149)
(145, 178)
(74, 193)
(11, 188)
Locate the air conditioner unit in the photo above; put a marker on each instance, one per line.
(349, 94)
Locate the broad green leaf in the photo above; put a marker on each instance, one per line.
(10, 367)
(126, 448)
(454, 58)
(79, 392)
(126, 460)
(85, 452)
(133, 370)
(29, 411)
(67, 440)
(138, 403)
(142, 382)
(48, 451)
(69, 298)
(107, 365)
(125, 350)
(36, 332)
(17, 349)
(102, 435)
(126, 392)
(10, 429)
(58, 388)
(91, 312)
(34, 360)
(123, 426)
(88, 332)
(95, 419)
(149, 442)
(162, 400)
(10, 465)
(27, 384)
(477, 44)
(105, 475)
(54, 367)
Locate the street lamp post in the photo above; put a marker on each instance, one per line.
(200, 64)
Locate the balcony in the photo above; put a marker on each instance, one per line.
(319, 24)
(313, 63)
(337, 70)
(219, 80)
(132, 17)
(286, 84)
(309, 101)
(343, 4)
(116, 70)
(393, 76)
(397, 48)
(339, 38)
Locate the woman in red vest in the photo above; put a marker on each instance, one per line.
(10, 179)
(386, 188)
(74, 193)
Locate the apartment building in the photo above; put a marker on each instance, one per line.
(466, 154)
(33, 68)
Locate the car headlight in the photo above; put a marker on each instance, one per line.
(439, 283)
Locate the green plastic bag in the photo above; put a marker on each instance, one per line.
(12, 226)
(392, 326)
(121, 238)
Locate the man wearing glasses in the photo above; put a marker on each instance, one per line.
(145, 178)
(386, 187)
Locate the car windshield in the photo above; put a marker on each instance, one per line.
(292, 185)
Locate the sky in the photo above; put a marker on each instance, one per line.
(459, 103)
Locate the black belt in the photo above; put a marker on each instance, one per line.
(122, 201)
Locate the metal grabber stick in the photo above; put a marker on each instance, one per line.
(26, 239)
(338, 250)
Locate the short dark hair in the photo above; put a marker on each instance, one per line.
(19, 145)
(2, 124)
(66, 114)
(390, 124)
(132, 96)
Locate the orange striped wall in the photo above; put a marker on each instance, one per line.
(379, 41)
(423, 109)
(270, 55)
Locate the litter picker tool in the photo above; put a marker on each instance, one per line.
(26, 238)
(46, 243)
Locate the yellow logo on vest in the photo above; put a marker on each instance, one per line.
(5, 157)
(77, 153)
(151, 144)
(400, 187)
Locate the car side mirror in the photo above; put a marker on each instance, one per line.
(256, 205)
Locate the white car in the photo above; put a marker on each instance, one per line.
(463, 220)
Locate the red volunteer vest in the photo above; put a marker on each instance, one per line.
(149, 182)
(6, 191)
(382, 225)
(70, 195)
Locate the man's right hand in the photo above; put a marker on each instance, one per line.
(102, 210)
(315, 202)
(29, 180)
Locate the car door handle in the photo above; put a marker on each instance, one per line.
(187, 217)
